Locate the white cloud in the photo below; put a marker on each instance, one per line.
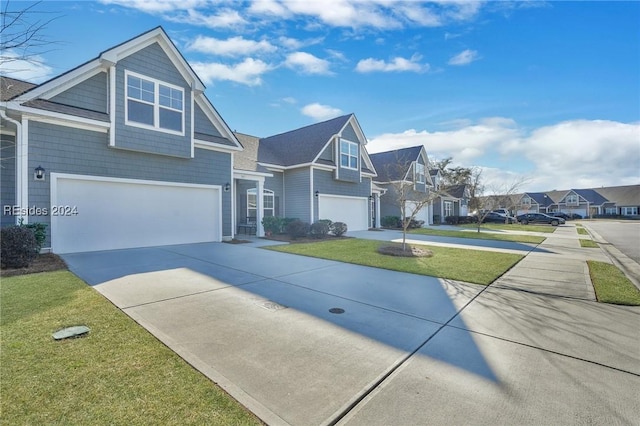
(234, 46)
(582, 154)
(247, 72)
(571, 154)
(223, 18)
(32, 69)
(307, 63)
(397, 64)
(465, 57)
(320, 112)
(157, 6)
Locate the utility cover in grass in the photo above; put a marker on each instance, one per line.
(71, 332)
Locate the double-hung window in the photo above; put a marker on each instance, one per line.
(420, 178)
(154, 104)
(268, 204)
(349, 154)
(572, 199)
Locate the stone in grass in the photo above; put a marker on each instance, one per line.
(410, 251)
(71, 332)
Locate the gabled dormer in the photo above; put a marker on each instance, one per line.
(409, 165)
(142, 93)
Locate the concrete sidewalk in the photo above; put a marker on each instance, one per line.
(304, 341)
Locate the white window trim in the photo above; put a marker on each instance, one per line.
(349, 156)
(265, 192)
(526, 201)
(156, 104)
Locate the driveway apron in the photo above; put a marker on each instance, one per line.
(304, 341)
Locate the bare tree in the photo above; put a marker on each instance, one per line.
(22, 35)
(404, 188)
(500, 196)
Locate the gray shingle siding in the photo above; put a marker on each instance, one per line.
(91, 94)
(296, 193)
(76, 151)
(151, 62)
(7, 176)
(202, 123)
(324, 182)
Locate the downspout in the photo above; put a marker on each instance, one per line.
(20, 181)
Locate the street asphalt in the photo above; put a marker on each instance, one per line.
(304, 341)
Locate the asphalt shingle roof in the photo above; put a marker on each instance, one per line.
(393, 165)
(300, 146)
(11, 87)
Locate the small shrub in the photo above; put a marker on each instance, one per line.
(39, 231)
(320, 229)
(18, 247)
(338, 228)
(436, 218)
(297, 229)
(272, 224)
(455, 220)
(414, 224)
(285, 221)
(390, 221)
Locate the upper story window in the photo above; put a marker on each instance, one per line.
(420, 177)
(349, 154)
(526, 201)
(571, 199)
(154, 104)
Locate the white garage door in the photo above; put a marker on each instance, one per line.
(351, 210)
(95, 213)
(422, 214)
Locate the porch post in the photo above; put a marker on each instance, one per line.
(259, 207)
(377, 200)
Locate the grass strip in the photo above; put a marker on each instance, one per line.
(582, 231)
(533, 239)
(547, 229)
(611, 285)
(588, 243)
(118, 374)
(473, 266)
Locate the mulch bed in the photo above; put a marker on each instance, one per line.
(411, 251)
(42, 263)
(287, 238)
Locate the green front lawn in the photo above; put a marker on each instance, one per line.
(118, 374)
(473, 266)
(520, 238)
(547, 229)
(611, 285)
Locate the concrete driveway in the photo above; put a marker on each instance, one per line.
(305, 341)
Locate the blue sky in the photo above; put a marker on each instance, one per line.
(548, 92)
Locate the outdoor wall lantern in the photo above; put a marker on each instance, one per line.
(371, 197)
(39, 173)
(227, 187)
(317, 193)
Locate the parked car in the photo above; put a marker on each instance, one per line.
(540, 218)
(501, 211)
(560, 214)
(493, 217)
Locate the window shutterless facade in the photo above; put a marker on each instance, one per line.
(349, 153)
(420, 170)
(153, 104)
(267, 205)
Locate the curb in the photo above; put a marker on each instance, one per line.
(627, 265)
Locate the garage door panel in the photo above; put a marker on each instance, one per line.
(351, 210)
(113, 214)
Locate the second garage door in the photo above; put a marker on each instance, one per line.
(107, 213)
(351, 210)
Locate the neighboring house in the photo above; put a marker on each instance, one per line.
(461, 196)
(534, 202)
(122, 151)
(590, 202)
(623, 200)
(321, 171)
(585, 202)
(398, 169)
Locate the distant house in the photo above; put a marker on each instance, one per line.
(590, 202)
(404, 168)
